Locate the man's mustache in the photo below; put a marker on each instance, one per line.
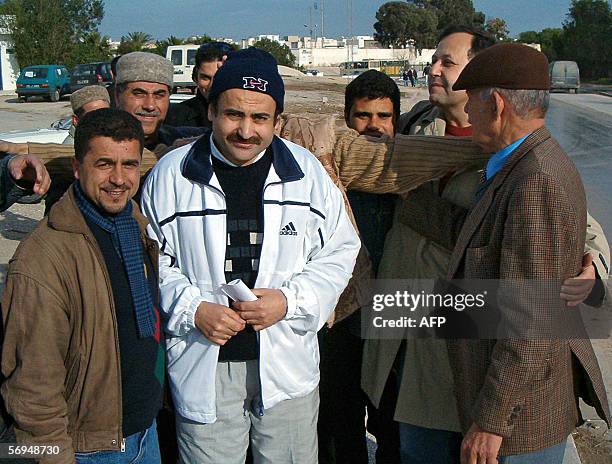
(438, 81)
(255, 140)
(147, 113)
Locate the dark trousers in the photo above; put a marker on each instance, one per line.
(342, 411)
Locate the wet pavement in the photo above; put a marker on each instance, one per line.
(583, 126)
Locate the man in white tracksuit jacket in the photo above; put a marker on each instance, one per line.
(242, 203)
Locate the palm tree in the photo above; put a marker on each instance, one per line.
(133, 42)
(162, 45)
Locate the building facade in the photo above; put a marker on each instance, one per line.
(9, 70)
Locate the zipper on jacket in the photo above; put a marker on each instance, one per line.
(263, 224)
(109, 289)
(260, 409)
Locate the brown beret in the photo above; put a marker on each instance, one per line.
(86, 95)
(507, 66)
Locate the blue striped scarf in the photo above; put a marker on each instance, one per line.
(125, 234)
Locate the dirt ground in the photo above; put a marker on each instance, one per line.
(304, 95)
(325, 95)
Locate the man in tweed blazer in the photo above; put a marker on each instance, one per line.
(517, 398)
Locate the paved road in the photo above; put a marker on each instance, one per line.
(583, 126)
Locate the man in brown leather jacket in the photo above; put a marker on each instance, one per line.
(83, 355)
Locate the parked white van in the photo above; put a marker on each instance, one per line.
(564, 75)
(183, 59)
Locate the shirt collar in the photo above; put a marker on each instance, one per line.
(497, 161)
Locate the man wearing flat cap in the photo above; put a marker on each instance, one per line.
(142, 88)
(84, 100)
(243, 204)
(517, 396)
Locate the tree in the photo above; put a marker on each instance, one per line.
(133, 42)
(162, 45)
(497, 28)
(529, 37)
(587, 34)
(52, 31)
(94, 47)
(199, 39)
(453, 12)
(550, 40)
(281, 52)
(399, 24)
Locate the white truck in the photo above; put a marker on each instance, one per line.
(183, 60)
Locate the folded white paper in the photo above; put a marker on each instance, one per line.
(238, 291)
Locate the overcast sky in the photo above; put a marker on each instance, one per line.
(242, 18)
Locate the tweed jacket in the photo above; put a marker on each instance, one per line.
(529, 224)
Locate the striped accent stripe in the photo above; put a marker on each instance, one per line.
(295, 203)
(206, 212)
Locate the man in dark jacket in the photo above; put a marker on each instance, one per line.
(371, 107)
(194, 112)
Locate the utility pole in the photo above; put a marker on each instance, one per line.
(322, 6)
(310, 24)
(350, 26)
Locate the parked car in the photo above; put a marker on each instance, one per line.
(58, 130)
(90, 74)
(49, 80)
(564, 75)
(55, 133)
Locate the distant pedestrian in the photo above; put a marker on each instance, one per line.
(411, 77)
(415, 74)
(405, 78)
(426, 70)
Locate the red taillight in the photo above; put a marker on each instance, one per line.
(99, 77)
(20, 85)
(44, 85)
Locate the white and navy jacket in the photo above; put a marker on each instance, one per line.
(308, 252)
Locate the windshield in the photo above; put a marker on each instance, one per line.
(35, 73)
(84, 69)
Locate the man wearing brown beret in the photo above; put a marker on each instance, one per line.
(517, 397)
